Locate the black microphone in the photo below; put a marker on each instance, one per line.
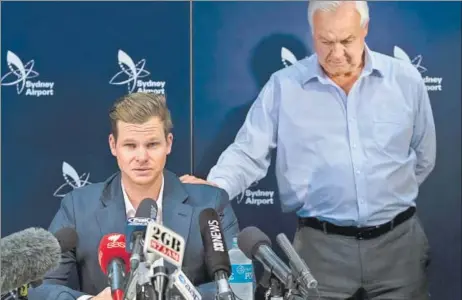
(216, 253)
(135, 232)
(257, 245)
(136, 229)
(303, 272)
(27, 255)
(160, 281)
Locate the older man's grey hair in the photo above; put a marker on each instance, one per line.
(313, 6)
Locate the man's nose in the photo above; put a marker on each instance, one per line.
(142, 154)
(338, 51)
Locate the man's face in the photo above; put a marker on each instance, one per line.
(339, 39)
(141, 150)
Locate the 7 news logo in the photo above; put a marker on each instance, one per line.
(114, 241)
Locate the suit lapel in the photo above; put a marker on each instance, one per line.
(111, 216)
(176, 213)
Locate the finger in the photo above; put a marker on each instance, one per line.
(191, 180)
(185, 177)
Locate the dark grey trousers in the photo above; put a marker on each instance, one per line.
(392, 266)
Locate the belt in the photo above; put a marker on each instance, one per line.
(360, 233)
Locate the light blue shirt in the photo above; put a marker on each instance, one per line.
(355, 159)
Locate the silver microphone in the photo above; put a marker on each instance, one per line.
(257, 245)
(303, 274)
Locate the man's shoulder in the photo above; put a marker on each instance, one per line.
(396, 67)
(87, 194)
(297, 72)
(205, 195)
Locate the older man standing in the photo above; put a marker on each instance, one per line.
(355, 138)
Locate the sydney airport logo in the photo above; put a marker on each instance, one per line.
(72, 180)
(256, 197)
(21, 74)
(133, 75)
(432, 83)
(287, 57)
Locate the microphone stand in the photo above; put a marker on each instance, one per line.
(295, 290)
(224, 291)
(146, 293)
(159, 282)
(9, 296)
(275, 290)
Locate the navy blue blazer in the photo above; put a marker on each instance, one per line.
(98, 209)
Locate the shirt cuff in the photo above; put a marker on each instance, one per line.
(223, 184)
(84, 297)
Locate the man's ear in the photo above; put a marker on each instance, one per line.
(169, 142)
(112, 144)
(366, 28)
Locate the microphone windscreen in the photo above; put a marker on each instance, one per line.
(147, 209)
(27, 256)
(216, 253)
(112, 246)
(67, 238)
(250, 238)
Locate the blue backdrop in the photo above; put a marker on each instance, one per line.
(76, 46)
(81, 56)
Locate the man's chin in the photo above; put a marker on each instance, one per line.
(142, 179)
(337, 72)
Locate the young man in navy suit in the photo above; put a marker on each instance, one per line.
(141, 139)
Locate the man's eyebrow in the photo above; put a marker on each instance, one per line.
(328, 40)
(349, 38)
(129, 140)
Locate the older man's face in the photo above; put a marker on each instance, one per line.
(339, 39)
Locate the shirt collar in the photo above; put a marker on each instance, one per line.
(130, 210)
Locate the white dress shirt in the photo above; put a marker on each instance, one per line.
(130, 210)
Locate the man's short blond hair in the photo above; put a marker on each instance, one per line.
(138, 108)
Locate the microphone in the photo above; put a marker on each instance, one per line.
(136, 228)
(160, 281)
(180, 283)
(135, 231)
(257, 245)
(304, 276)
(216, 253)
(27, 255)
(114, 260)
(164, 242)
(137, 278)
(146, 292)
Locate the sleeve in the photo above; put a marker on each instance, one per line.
(247, 159)
(423, 140)
(55, 283)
